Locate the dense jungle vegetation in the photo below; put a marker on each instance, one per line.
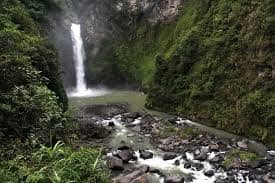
(33, 103)
(214, 63)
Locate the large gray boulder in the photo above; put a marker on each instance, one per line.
(115, 163)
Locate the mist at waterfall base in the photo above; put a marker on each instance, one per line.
(81, 89)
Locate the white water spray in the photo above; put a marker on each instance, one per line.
(81, 89)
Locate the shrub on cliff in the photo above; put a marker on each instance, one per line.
(32, 97)
(30, 110)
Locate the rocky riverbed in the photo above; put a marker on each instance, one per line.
(141, 148)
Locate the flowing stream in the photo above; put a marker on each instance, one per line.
(81, 89)
(189, 167)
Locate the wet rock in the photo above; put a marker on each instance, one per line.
(183, 156)
(217, 159)
(202, 156)
(221, 181)
(134, 158)
(141, 179)
(173, 120)
(126, 155)
(145, 154)
(124, 147)
(198, 166)
(90, 131)
(99, 141)
(133, 115)
(115, 163)
(209, 173)
(154, 170)
(257, 163)
(272, 175)
(169, 156)
(268, 178)
(197, 152)
(242, 144)
(184, 142)
(174, 179)
(165, 141)
(177, 162)
(231, 179)
(214, 147)
(111, 124)
(130, 135)
(134, 177)
(187, 165)
(271, 153)
(129, 120)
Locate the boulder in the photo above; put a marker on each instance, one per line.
(144, 168)
(217, 159)
(126, 155)
(141, 179)
(173, 120)
(138, 176)
(177, 162)
(124, 147)
(242, 144)
(187, 165)
(198, 166)
(115, 163)
(154, 170)
(214, 147)
(169, 156)
(267, 178)
(133, 115)
(209, 173)
(257, 163)
(146, 154)
(90, 131)
(174, 179)
(111, 124)
(202, 156)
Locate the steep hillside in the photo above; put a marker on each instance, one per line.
(32, 97)
(214, 63)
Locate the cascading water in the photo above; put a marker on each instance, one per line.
(81, 89)
(79, 56)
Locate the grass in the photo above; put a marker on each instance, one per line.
(57, 164)
(236, 154)
(171, 130)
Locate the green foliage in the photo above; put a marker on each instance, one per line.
(214, 63)
(57, 164)
(242, 156)
(32, 97)
(185, 132)
(31, 110)
(38, 9)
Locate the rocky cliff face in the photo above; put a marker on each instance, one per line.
(58, 29)
(154, 11)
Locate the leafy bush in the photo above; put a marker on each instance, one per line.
(31, 110)
(32, 98)
(57, 164)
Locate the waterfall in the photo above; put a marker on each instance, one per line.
(81, 88)
(79, 57)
